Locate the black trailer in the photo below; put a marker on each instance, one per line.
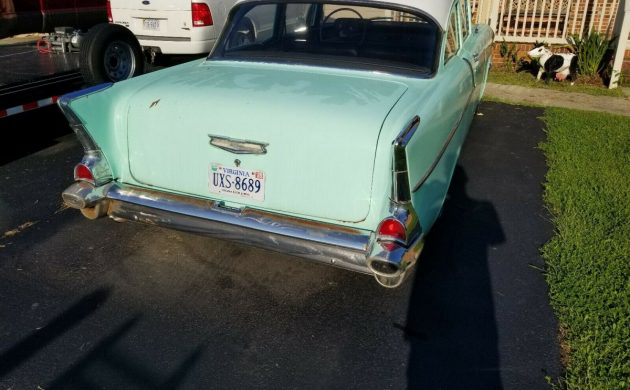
(33, 77)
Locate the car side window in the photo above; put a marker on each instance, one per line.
(452, 36)
(463, 18)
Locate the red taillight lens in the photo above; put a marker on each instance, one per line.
(110, 18)
(391, 229)
(201, 15)
(83, 173)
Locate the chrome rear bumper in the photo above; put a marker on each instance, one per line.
(326, 243)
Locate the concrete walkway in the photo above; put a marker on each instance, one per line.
(551, 98)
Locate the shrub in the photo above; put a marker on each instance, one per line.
(591, 51)
(509, 54)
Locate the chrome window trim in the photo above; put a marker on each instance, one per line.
(214, 53)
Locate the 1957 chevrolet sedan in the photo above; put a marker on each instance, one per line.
(328, 130)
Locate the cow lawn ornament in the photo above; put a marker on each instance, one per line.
(559, 66)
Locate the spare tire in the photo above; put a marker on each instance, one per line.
(110, 53)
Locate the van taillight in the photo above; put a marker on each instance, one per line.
(83, 173)
(201, 15)
(110, 18)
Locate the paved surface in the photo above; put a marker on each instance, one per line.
(551, 98)
(101, 305)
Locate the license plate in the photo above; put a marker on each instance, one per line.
(151, 24)
(237, 182)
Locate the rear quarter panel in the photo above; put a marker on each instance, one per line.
(435, 101)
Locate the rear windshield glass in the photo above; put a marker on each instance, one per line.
(334, 33)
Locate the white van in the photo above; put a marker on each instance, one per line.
(172, 26)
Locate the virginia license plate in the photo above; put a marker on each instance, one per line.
(238, 182)
(151, 24)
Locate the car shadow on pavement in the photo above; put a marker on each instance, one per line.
(451, 324)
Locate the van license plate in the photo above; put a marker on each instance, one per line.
(238, 182)
(151, 24)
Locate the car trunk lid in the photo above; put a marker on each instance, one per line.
(319, 129)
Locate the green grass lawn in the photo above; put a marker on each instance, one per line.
(526, 79)
(587, 190)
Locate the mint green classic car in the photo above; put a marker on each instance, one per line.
(328, 130)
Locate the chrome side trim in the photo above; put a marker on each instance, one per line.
(405, 136)
(75, 122)
(400, 172)
(444, 147)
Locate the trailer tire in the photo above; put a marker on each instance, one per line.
(110, 53)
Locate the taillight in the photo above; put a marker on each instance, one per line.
(391, 230)
(83, 173)
(201, 15)
(110, 18)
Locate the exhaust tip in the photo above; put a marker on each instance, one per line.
(73, 200)
(99, 210)
(384, 268)
(390, 281)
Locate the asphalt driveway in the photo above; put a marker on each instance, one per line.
(102, 305)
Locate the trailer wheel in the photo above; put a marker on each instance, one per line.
(110, 53)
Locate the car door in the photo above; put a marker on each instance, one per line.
(472, 54)
(432, 157)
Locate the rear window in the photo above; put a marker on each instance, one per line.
(336, 34)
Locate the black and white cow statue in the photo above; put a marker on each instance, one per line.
(559, 66)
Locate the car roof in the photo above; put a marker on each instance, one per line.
(439, 10)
